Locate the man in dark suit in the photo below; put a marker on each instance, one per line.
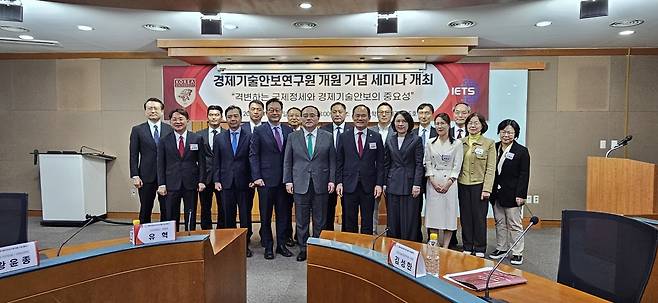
(205, 197)
(144, 140)
(255, 116)
(309, 173)
(231, 172)
(336, 128)
(360, 171)
(385, 128)
(266, 160)
(425, 131)
(181, 167)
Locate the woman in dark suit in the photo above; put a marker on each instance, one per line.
(510, 190)
(403, 162)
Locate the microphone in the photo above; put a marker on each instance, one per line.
(533, 221)
(620, 144)
(379, 236)
(90, 220)
(36, 156)
(189, 224)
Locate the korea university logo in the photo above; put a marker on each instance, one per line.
(185, 91)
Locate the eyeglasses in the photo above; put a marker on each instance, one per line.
(384, 112)
(458, 112)
(506, 133)
(309, 115)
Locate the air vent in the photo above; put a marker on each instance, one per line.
(626, 23)
(156, 27)
(14, 29)
(50, 43)
(461, 24)
(305, 24)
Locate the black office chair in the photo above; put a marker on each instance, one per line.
(13, 218)
(606, 255)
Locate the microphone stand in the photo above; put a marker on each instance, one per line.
(379, 236)
(607, 154)
(534, 220)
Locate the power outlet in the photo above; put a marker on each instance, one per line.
(535, 199)
(602, 144)
(133, 191)
(528, 199)
(613, 143)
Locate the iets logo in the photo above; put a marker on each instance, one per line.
(463, 91)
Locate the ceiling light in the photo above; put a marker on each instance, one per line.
(230, 26)
(30, 42)
(287, 68)
(305, 5)
(543, 23)
(626, 33)
(377, 58)
(626, 23)
(461, 23)
(85, 28)
(26, 37)
(14, 29)
(156, 27)
(305, 24)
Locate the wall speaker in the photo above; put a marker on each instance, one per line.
(387, 25)
(593, 8)
(11, 13)
(211, 26)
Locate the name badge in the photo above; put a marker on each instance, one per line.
(194, 146)
(509, 156)
(150, 233)
(479, 151)
(406, 259)
(373, 145)
(18, 256)
(446, 158)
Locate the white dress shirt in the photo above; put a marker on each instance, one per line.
(152, 129)
(314, 137)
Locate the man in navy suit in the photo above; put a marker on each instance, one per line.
(181, 167)
(425, 131)
(144, 140)
(232, 173)
(255, 116)
(336, 128)
(266, 152)
(205, 197)
(360, 171)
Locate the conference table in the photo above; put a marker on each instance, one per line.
(201, 266)
(343, 268)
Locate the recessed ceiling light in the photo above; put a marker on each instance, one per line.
(305, 5)
(14, 29)
(230, 26)
(305, 24)
(543, 23)
(461, 23)
(156, 27)
(377, 58)
(626, 33)
(26, 37)
(626, 23)
(85, 28)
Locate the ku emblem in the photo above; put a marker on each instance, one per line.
(185, 91)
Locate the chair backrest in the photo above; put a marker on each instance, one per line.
(13, 218)
(606, 255)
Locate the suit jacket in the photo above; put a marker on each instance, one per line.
(432, 134)
(265, 159)
(299, 169)
(369, 168)
(482, 167)
(391, 131)
(246, 126)
(233, 171)
(330, 128)
(144, 151)
(208, 152)
(512, 182)
(451, 132)
(181, 173)
(404, 167)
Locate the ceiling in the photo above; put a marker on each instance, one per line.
(500, 24)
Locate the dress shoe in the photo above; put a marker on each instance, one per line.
(290, 242)
(249, 253)
(269, 254)
(302, 256)
(282, 250)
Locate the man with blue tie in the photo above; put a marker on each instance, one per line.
(231, 172)
(360, 171)
(208, 134)
(181, 167)
(425, 131)
(144, 140)
(266, 152)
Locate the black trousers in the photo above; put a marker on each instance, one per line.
(331, 212)
(289, 223)
(173, 206)
(402, 215)
(473, 217)
(147, 194)
(360, 199)
(205, 199)
(310, 206)
(272, 199)
(234, 200)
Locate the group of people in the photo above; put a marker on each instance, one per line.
(310, 167)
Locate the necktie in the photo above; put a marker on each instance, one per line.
(309, 145)
(277, 136)
(212, 140)
(234, 142)
(156, 135)
(360, 144)
(423, 135)
(181, 146)
(459, 134)
(337, 136)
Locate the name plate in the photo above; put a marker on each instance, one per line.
(150, 233)
(18, 256)
(406, 259)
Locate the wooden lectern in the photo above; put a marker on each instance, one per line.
(621, 186)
